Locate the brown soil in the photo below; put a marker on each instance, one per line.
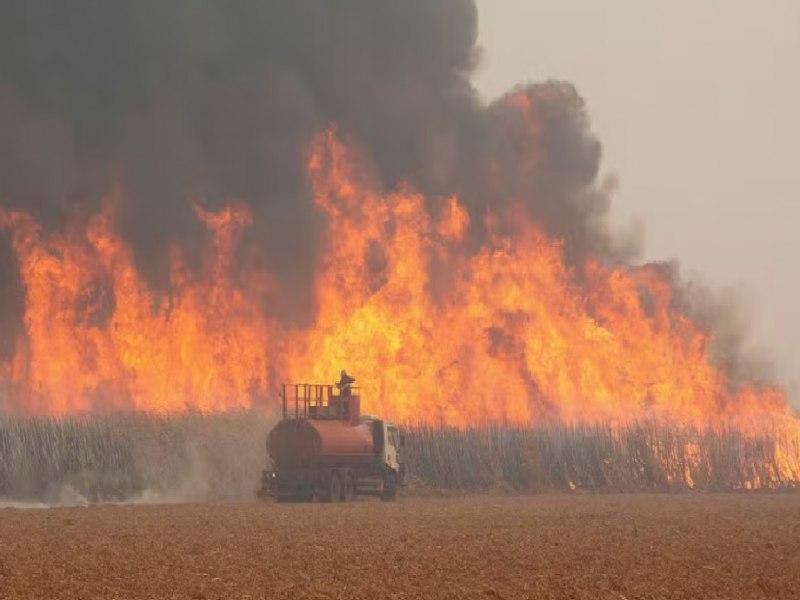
(616, 547)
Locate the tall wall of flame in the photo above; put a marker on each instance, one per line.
(182, 225)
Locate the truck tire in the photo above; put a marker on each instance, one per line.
(389, 487)
(333, 491)
(349, 489)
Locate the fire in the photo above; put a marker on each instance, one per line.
(510, 335)
(98, 338)
(435, 330)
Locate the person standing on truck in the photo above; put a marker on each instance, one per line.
(344, 384)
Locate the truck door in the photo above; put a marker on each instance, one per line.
(393, 447)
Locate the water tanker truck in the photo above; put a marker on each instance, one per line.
(325, 449)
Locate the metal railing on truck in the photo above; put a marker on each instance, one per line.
(319, 401)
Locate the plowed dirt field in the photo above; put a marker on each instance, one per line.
(598, 547)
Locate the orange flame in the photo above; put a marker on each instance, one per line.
(433, 332)
(98, 338)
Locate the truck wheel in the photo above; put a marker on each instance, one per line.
(389, 488)
(334, 491)
(349, 491)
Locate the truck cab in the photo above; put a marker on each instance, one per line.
(394, 441)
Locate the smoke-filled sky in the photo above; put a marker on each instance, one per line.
(205, 101)
(696, 104)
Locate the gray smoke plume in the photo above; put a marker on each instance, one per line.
(207, 100)
(182, 101)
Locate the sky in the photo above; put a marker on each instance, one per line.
(697, 105)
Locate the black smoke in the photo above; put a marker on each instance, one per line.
(173, 102)
(202, 100)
